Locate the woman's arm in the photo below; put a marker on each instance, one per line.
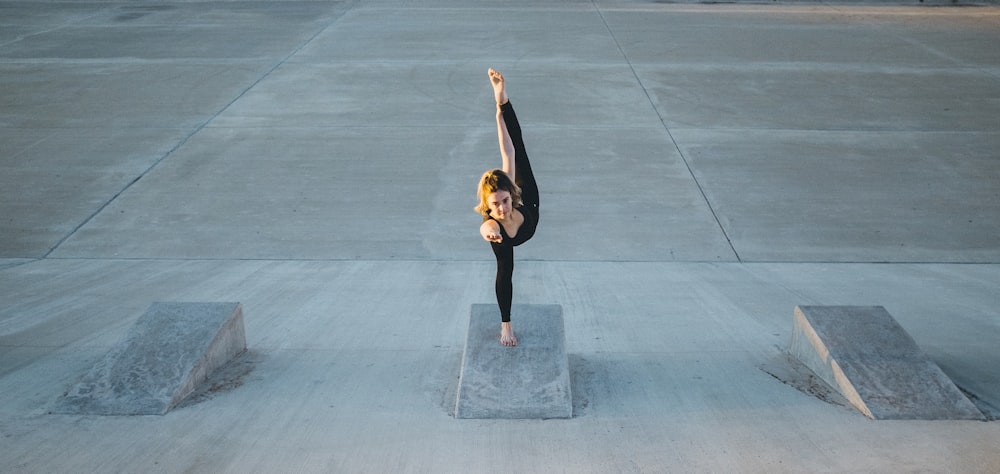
(490, 230)
(506, 145)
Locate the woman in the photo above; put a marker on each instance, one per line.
(508, 201)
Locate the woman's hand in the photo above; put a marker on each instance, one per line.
(490, 230)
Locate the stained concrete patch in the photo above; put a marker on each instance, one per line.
(790, 371)
(224, 379)
(530, 380)
(863, 353)
(170, 351)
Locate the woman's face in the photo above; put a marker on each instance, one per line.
(500, 204)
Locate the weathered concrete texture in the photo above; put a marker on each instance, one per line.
(862, 352)
(166, 354)
(703, 168)
(530, 380)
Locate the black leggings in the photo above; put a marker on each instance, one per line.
(525, 180)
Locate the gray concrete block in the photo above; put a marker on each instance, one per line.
(165, 355)
(530, 380)
(863, 353)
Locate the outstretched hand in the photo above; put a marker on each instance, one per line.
(490, 230)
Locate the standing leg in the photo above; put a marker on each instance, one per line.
(504, 281)
(504, 252)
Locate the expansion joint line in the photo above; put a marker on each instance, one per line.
(186, 138)
(666, 128)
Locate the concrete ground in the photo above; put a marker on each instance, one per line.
(704, 169)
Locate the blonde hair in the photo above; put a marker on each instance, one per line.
(492, 181)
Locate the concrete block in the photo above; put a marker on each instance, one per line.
(165, 355)
(863, 353)
(530, 380)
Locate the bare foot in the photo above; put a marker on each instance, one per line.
(498, 86)
(507, 336)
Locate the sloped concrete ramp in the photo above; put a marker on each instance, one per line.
(530, 380)
(863, 353)
(171, 349)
